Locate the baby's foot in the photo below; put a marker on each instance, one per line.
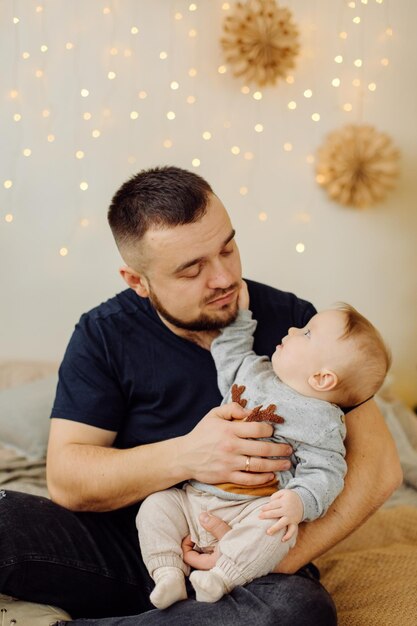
(169, 587)
(209, 586)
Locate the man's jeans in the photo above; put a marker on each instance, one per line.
(89, 564)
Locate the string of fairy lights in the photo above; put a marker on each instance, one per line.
(353, 77)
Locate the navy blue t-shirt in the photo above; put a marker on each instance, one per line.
(125, 371)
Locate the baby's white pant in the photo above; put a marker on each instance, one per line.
(246, 551)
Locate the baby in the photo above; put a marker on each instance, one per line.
(338, 360)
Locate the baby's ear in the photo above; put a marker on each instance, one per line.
(324, 380)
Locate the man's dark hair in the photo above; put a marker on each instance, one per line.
(157, 197)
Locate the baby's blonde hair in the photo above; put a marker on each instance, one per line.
(365, 374)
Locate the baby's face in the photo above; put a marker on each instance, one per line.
(305, 351)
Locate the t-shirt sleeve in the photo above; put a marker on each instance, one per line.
(88, 387)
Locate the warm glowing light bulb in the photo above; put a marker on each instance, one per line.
(192, 72)
(192, 33)
(235, 150)
(257, 95)
(174, 85)
(245, 89)
(171, 115)
(225, 6)
(167, 143)
(39, 73)
(287, 146)
(338, 58)
(17, 117)
(114, 51)
(292, 105)
(134, 115)
(39, 9)
(320, 179)
(163, 55)
(44, 48)
(336, 82)
(83, 185)
(8, 184)
(79, 154)
(69, 45)
(343, 35)
(192, 7)
(16, 20)
(111, 75)
(347, 107)
(352, 5)
(356, 20)
(222, 69)
(372, 86)
(263, 216)
(142, 95)
(385, 62)
(134, 30)
(25, 55)
(84, 93)
(27, 152)
(51, 138)
(106, 11)
(95, 133)
(14, 93)
(206, 135)
(46, 113)
(191, 99)
(196, 162)
(243, 191)
(357, 62)
(86, 116)
(8, 217)
(63, 251)
(300, 247)
(308, 93)
(259, 128)
(315, 117)
(178, 16)
(290, 79)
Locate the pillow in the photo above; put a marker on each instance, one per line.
(24, 416)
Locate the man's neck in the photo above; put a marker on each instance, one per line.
(202, 338)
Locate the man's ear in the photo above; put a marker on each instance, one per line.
(135, 280)
(324, 380)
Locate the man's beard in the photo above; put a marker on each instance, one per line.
(203, 321)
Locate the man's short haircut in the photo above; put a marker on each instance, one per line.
(160, 197)
(366, 374)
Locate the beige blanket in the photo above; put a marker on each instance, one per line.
(372, 575)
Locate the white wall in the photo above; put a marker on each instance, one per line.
(368, 258)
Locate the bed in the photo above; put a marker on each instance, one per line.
(372, 575)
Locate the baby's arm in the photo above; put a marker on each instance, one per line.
(287, 506)
(233, 348)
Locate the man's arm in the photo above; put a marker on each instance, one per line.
(374, 472)
(85, 473)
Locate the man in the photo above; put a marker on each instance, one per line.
(134, 414)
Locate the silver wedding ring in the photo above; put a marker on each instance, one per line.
(247, 464)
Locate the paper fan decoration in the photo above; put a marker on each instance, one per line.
(260, 41)
(357, 165)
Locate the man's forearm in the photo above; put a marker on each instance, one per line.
(96, 478)
(373, 474)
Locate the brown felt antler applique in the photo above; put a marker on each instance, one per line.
(258, 414)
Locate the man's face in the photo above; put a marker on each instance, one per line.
(193, 271)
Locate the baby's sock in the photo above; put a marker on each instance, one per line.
(169, 587)
(209, 586)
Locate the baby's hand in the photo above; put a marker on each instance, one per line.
(243, 300)
(287, 506)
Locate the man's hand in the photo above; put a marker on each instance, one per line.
(217, 449)
(243, 299)
(287, 506)
(218, 528)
